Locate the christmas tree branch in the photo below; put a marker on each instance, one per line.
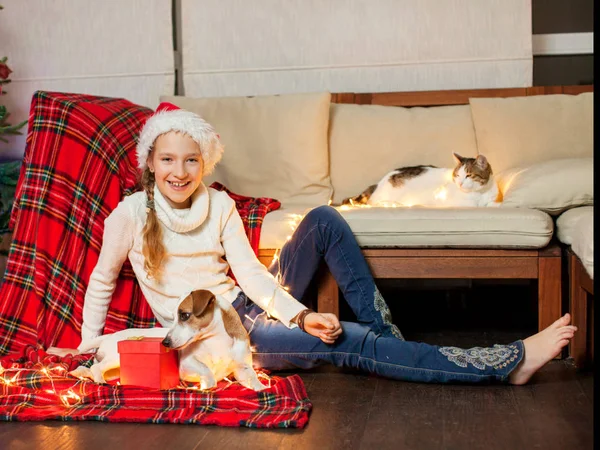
(5, 127)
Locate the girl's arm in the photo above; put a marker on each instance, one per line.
(116, 243)
(253, 277)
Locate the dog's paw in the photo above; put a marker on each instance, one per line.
(258, 386)
(253, 383)
(82, 372)
(97, 373)
(207, 383)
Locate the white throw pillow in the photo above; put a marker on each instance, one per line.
(520, 131)
(275, 146)
(551, 186)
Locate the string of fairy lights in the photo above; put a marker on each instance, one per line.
(69, 398)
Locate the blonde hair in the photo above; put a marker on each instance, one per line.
(153, 248)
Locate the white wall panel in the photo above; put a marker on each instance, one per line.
(236, 47)
(116, 48)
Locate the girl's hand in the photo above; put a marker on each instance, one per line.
(62, 351)
(325, 326)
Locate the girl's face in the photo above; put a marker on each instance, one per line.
(177, 165)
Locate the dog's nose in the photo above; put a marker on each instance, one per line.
(167, 342)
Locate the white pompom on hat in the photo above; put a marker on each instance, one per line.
(169, 117)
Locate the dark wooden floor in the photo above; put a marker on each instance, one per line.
(354, 411)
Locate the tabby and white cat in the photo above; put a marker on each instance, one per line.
(470, 183)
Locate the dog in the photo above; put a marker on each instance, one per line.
(207, 332)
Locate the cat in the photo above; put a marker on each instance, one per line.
(470, 183)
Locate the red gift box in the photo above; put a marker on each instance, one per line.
(146, 362)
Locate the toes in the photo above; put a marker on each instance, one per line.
(567, 333)
(563, 321)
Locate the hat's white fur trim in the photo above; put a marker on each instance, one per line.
(185, 122)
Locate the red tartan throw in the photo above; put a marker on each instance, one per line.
(252, 211)
(79, 163)
(37, 387)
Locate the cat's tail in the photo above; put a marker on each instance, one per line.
(362, 198)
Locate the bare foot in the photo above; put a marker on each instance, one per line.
(541, 348)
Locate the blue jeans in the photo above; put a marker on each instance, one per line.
(373, 345)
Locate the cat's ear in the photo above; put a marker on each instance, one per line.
(459, 159)
(481, 161)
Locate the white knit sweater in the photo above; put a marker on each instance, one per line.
(196, 239)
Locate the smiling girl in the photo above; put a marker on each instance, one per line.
(180, 236)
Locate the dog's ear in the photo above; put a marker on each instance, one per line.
(201, 300)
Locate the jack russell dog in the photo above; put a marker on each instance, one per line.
(207, 332)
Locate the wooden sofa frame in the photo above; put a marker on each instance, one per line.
(581, 292)
(543, 265)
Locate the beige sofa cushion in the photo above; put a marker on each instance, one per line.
(368, 141)
(278, 225)
(567, 221)
(552, 186)
(583, 241)
(429, 227)
(275, 146)
(520, 131)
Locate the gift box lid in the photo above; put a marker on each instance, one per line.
(142, 345)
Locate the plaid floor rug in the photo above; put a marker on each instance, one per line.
(35, 386)
(79, 163)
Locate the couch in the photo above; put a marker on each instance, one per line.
(312, 149)
(575, 229)
(309, 150)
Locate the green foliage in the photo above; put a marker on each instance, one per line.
(5, 127)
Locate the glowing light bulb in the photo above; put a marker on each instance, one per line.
(441, 193)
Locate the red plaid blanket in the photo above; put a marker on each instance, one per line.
(252, 211)
(78, 165)
(36, 386)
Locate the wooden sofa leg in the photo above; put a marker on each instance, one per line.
(578, 308)
(549, 291)
(328, 294)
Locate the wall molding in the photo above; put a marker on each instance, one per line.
(563, 44)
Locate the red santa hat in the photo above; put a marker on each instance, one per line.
(169, 117)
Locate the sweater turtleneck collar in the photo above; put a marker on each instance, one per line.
(182, 220)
